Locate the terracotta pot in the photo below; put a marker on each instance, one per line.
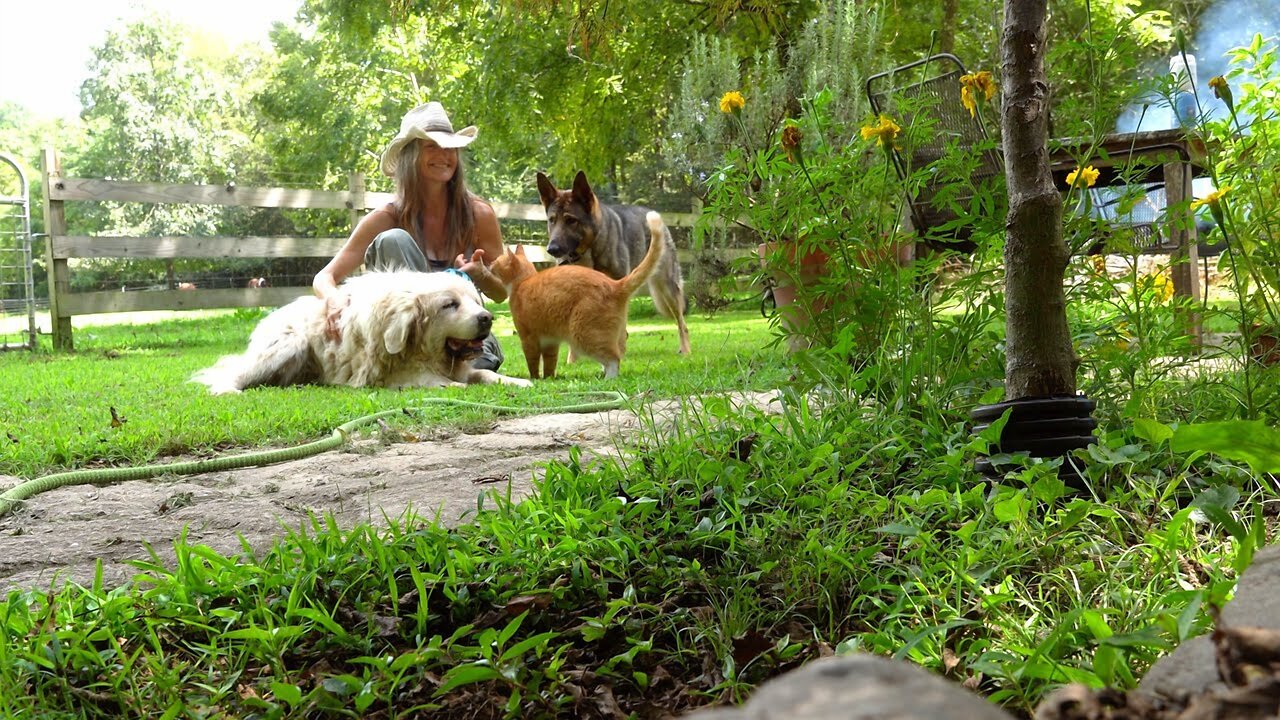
(808, 269)
(1264, 345)
(796, 316)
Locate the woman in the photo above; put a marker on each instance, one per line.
(433, 224)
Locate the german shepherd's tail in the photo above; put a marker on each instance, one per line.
(657, 242)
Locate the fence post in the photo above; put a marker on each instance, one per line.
(1184, 259)
(355, 183)
(55, 225)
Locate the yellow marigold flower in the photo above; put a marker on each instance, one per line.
(732, 102)
(791, 137)
(1087, 176)
(971, 85)
(1222, 91)
(980, 81)
(885, 131)
(1160, 284)
(1212, 199)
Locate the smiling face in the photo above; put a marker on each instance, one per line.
(436, 164)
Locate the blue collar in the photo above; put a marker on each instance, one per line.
(460, 274)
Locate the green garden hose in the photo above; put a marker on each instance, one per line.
(11, 498)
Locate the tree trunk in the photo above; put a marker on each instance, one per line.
(1039, 360)
(947, 35)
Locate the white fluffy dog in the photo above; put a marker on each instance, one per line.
(401, 329)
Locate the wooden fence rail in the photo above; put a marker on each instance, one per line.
(62, 247)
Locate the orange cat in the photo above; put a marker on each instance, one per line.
(573, 303)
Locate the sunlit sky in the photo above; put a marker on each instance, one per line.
(45, 45)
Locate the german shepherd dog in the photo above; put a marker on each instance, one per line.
(612, 239)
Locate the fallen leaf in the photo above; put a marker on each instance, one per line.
(749, 646)
(742, 448)
(521, 603)
(116, 420)
(949, 661)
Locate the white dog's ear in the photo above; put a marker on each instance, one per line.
(397, 334)
(400, 326)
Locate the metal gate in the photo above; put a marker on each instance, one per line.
(17, 285)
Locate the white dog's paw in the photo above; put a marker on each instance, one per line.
(518, 382)
(224, 390)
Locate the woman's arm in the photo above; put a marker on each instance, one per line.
(488, 240)
(349, 257)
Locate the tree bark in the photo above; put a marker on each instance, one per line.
(947, 33)
(1039, 360)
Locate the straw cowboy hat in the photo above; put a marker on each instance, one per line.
(423, 122)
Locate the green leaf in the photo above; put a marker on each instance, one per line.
(524, 646)
(1106, 658)
(284, 632)
(341, 685)
(1152, 431)
(290, 694)
(511, 628)
(321, 619)
(1097, 624)
(1013, 508)
(1048, 488)
(898, 529)
(1220, 496)
(1249, 441)
(465, 675)
(1187, 618)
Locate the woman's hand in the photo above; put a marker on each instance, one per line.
(479, 273)
(334, 303)
(474, 267)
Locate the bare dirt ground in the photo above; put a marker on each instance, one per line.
(61, 534)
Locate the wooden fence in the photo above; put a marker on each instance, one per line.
(61, 247)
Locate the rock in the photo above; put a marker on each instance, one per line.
(1257, 598)
(1191, 668)
(859, 687)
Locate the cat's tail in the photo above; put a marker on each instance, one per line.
(657, 243)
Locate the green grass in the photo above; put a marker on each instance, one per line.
(57, 410)
(728, 548)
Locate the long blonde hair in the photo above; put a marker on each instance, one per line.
(409, 204)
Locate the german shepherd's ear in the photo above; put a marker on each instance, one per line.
(547, 191)
(583, 192)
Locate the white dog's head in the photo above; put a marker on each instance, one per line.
(431, 315)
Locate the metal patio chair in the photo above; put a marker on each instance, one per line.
(928, 91)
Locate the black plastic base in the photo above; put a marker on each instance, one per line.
(1043, 427)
